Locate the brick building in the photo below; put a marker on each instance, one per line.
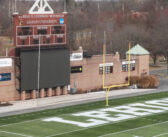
(116, 70)
(86, 73)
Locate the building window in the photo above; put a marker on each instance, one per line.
(108, 68)
(125, 66)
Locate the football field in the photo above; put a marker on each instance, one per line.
(141, 116)
(154, 130)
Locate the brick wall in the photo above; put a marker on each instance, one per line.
(90, 79)
(7, 88)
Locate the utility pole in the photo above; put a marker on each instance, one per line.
(167, 60)
(65, 6)
(9, 12)
(98, 8)
(15, 6)
(123, 8)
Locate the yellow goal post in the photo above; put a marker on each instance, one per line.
(112, 86)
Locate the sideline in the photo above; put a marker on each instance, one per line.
(116, 94)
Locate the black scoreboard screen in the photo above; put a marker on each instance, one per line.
(54, 68)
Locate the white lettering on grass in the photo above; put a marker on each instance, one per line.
(92, 122)
(163, 102)
(107, 115)
(130, 110)
(104, 115)
(161, 108)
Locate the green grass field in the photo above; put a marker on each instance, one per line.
(148, 125)
(154, 130)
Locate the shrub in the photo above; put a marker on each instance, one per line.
(144, 82)
(134, 80)
(99, 88)
(80, 91)
(154, 82)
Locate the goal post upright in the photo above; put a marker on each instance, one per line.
(129, 63)
(104, 60)
(112, 86)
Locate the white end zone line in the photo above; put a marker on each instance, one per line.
(136, 129)
(12, 133)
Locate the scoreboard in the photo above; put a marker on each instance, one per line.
(43, 29)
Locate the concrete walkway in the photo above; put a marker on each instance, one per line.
(19, 107)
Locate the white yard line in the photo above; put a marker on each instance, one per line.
(135, 129)
(12, 133)
(161, 135)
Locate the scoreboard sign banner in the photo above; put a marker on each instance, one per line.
(76, 56)
(76, 69)
(127, 62)
(6, 62)
(5, 76)
(44, 29)
(40, 19)
(106, 64)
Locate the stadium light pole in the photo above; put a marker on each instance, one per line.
(38, 68)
